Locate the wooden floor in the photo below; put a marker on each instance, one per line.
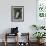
(13, 44)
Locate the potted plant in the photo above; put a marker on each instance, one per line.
(38, 27)
(39, 35)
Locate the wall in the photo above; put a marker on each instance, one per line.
(29, 15)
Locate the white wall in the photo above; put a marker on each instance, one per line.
(29, 15)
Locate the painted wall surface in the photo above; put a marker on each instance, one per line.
(29, 15)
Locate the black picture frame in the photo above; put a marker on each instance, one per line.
(17, 13)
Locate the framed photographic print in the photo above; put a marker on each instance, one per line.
(41, 12)
(41, 8)
(17, 13)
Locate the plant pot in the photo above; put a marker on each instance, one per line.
(40, 40)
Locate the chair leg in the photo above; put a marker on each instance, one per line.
(5, 39)
(5, 43)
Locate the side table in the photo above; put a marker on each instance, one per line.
(8, 34)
